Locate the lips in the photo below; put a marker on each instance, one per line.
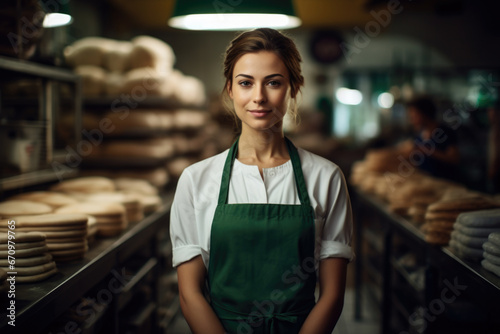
(259, 112)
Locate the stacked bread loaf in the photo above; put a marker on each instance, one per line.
(33, 262)
(441, 216)
(144, 65)
(491, 261)
(154, 118)
(471, 231)
(147, 194)
(65, 235)
(110, 218)
(12, 208)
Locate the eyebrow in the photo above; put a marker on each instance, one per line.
(266, 77)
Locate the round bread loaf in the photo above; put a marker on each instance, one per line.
(50, 220)
(138, 186)
(475, 231)
(474, 242)
(483, 218)
(23, 237)
(34, 270)
(492, 258)
(494, 238)
(29, 261)
(9, 209)
(491, 248)
(462, 205)
(25, 252)
(95, 209)
(151, 203)
(37, 277)
(475, 254)
(24, 245)
(90, 184)
(51, 198)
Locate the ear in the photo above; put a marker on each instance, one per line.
(229, 90)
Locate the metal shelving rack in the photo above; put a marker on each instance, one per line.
(47, 101)
(400, 295)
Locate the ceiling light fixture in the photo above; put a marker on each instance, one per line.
(233, 15)
(57, 14)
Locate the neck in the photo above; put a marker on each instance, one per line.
(262, 146)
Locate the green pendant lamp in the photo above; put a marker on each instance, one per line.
(233, 14)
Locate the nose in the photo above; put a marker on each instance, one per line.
(259, 94)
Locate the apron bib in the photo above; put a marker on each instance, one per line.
(261, 271)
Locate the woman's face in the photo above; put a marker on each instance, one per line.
(260, 90)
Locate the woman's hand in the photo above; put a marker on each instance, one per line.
(195, 308)
(326, 312)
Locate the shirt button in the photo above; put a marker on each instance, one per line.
(272, 173)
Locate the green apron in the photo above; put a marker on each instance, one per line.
(261, 271)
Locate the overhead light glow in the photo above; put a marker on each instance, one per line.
(53, 20)
(348, 96)
(233, 21)
(385, 100)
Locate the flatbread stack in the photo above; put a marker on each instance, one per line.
(146, 192)
(441, 216)
(51, 198)
(491, 261)
(471, 231)
(131, 202)
(402, 197)
(111, 217)
(418, 208)
(156, 176)
(33, 262)
(11, 208)
(90, 184)
(65, 234)
(131, 185)
(92, 229)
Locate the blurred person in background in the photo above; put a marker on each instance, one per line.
(434, 148)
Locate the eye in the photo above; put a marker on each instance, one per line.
(244, 83)
(274, 83)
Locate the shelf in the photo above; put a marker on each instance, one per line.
(37, 70)
(128, 291)
(41, 303)
(406, 275)
(34, 178)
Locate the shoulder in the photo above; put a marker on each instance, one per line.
(206, 169)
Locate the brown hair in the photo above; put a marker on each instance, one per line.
(264, 39)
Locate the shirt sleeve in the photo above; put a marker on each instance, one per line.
(338, 228)
(183, 231)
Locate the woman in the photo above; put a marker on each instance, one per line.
(262, 221)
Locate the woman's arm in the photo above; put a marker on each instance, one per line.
(195, 308)
(326, 313)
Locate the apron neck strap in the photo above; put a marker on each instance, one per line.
(297, 171)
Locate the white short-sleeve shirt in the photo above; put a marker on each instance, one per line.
(197, 194)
